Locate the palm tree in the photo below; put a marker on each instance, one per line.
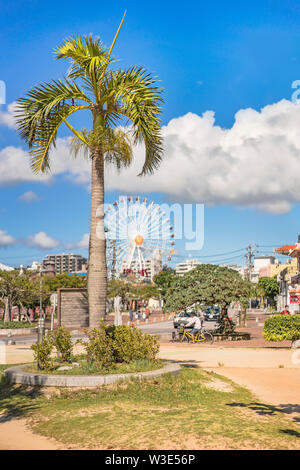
(112, 96)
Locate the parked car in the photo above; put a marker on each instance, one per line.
(183, 318)
(211, 313)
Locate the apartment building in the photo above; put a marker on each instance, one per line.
(186, 266)
(65, 263)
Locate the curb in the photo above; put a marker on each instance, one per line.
(17, 331)
(17, 375)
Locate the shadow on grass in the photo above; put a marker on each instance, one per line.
(291, 432)
(16, 400)
(265, 409)
(260, 408)
(186, 363)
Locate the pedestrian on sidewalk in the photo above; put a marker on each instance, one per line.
(285, 311)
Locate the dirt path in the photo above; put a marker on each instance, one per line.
(276, 386)
(270, 374)
(15, 435)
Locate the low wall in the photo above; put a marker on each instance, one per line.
(17, 331)
(17, 375)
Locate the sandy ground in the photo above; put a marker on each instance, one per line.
(272, 374)
(216, 356)
(15, 435)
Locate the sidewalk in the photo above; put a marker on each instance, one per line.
(270, 374)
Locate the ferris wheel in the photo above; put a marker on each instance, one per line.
(139, 237)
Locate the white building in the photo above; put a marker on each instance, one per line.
(3, 267)
(263, 262)
(186, 266)
(259, 263)
(35, 266)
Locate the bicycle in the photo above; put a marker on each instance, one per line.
(201, 336)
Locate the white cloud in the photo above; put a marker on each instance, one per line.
(255, 163)
(42, 241)
(7, 118)
(15, 166)
(83, 244)
(6, 240)
(29, 197)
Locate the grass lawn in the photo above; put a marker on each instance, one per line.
(87, 368)
(192, 410)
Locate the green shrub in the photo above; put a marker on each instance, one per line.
(42, 353)
(62, 341)
(108, 345)
(99, 347)
(282, 327)
(130, 344)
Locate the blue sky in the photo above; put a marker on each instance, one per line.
(218, 56)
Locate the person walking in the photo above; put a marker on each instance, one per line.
(285, 311)
(131, 314)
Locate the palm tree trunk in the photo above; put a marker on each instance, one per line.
(7, 310)
(97, 280)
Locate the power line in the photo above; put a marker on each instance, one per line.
(217, 254)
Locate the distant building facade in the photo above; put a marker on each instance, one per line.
(64, 263)
(289, 283)
(186, 266)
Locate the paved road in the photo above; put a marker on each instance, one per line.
(167, 327)
(161, 328)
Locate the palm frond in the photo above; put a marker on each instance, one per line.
(115, 145)
(40, 114)
(88, 59)
(134, 94)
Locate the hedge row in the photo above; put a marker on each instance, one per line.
(282, 327)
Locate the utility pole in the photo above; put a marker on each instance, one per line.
(250, 250)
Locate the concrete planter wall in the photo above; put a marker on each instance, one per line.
(17, 375)
(16, 331)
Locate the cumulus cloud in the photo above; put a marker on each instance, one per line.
(42, 241)
(29, 197)
(255, 163)
(83, 244)
(15, 166)
(7, 118)
(6, 240)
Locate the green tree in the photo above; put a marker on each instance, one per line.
(112, 97)
(10, 290)
(208, 284)
(164, 280)
(270, 286)
(53, 283)
(125, 290)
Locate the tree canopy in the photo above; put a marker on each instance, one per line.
(164, 280)
(207, 284)
(269, 285)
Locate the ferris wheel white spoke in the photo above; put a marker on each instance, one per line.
(139, 236)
